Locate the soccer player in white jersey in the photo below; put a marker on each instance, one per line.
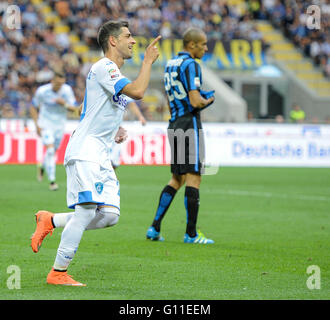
(49, 112)
(92, 186)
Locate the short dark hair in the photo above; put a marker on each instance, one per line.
(110, 28)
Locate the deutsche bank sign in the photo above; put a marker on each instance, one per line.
(225, 144)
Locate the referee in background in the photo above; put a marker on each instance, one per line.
(183, 80)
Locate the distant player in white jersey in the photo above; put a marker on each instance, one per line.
(115, 149)
(92, 186)
(49, 112)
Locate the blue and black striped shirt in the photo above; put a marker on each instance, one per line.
(182, 74)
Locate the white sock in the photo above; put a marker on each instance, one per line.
(49, 163)
(61, 219)
(104, 217)
(72, 235)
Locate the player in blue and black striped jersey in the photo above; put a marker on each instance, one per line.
(183, 80)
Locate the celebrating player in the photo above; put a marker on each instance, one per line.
(92, 186)
(183, 81)
(49, 112)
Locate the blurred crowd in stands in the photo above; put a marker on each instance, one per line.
(169, 18)
(291, 16)
(29, 54)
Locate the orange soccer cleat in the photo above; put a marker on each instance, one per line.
(62, 278)
(44, 226)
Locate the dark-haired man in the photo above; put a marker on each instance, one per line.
(92, 185)
(183, 80)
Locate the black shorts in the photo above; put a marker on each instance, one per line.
(186, 139)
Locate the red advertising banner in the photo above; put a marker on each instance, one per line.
(26, 148)
(19, 144)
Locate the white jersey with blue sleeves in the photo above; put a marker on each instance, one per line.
(101, 116)
(52, 114)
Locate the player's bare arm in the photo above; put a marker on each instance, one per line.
(34, 115)
(197, 101)
(135, 109)
(65, 105)
(137, 88)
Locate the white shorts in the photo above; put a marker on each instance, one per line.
(52, 136)
(89, 182)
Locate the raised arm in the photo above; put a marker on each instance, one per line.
(137, 88)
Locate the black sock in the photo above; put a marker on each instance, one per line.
(191, 202)
(53, 222)
(165, 200)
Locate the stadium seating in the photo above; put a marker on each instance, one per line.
(51, 17)
(73, 26)
(284, 51)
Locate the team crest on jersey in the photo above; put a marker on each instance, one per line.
(99, 187)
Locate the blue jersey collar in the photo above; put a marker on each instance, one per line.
(181, 53)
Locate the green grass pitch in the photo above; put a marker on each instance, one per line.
(269, 225)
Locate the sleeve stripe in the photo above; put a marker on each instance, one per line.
(120, 85)
(187, 76)
(196, 70)
(193, 74)
(199, 72)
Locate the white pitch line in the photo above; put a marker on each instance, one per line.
(268, 194)
(246, 193)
